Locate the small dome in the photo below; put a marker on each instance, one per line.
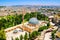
(15, 31)
(33, 21)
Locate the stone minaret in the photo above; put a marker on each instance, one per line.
(23, 12)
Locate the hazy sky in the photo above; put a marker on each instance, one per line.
(29, 2)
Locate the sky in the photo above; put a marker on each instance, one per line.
(29, 2)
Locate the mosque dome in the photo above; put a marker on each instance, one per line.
(33, 21)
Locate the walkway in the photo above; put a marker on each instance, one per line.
(48, 36)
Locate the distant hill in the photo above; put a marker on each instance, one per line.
(36, 6)
(31, 6)
(2, 6)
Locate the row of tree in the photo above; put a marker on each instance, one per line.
(53, 34)
(30, 36)
(44, 27)
(21, 37)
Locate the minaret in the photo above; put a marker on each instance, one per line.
(35, 12)
(36, 16)
(23, 12)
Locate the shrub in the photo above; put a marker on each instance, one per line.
(42, 28)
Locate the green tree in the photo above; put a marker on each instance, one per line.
(2, 23)
(2, 34)
(30, 36)
(18, 19)
(33, 14)
(39, 16)
(25, 36)
(10, 20)
(48, 24)
(42, 28)
(12, 38)
(53, 34)
(21, 37)
(27, 16)
(35, 33)
(17, 38)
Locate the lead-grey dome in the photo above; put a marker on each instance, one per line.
(33, 21)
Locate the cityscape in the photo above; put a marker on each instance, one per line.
(29, 20)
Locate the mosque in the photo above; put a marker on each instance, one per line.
(32, 25)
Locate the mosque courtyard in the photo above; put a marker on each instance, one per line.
(28, 27)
